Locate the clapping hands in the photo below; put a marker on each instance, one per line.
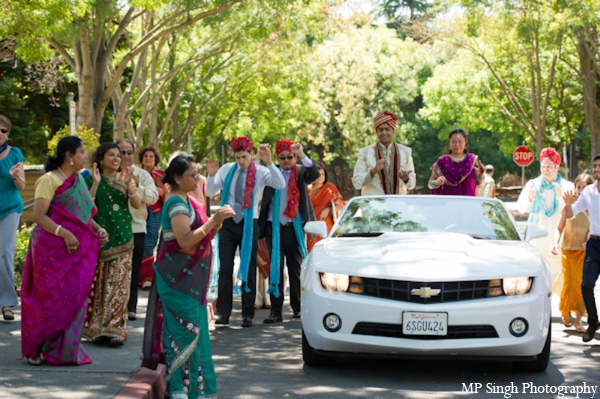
(264, 151)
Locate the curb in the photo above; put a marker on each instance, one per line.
(150, 384)
(145, 384)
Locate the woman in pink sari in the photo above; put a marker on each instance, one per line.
(61, 260)
(458, 172)
(149, 160)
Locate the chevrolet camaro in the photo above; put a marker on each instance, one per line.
(426, 276)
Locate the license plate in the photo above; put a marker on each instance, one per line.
(424, 323)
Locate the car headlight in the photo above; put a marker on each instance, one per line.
(517, 285)
(335, 282)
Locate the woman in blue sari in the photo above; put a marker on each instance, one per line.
(182, 272)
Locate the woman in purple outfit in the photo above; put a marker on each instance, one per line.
(458, 172)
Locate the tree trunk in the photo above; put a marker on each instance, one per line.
(591, 92)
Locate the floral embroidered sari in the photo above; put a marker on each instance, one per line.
(107, 310)
(326, 197)
(181, 279)
(56, 284)
(461, 176)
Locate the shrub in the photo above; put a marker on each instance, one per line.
(91, 139)
(23, 236)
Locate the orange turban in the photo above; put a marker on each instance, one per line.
(386, 117)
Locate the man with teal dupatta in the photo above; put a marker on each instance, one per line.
(282, 215)
(542, 199)
(242, 184)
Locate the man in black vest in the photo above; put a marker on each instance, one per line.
(295, 209)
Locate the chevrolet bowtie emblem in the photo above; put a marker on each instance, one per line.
(425, 292)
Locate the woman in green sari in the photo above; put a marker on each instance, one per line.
(182, 272)
(112, 190)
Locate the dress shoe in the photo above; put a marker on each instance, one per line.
(222, 321)
(296, 315)
(131, 316)
(588, 335)
(273, 318)
(247, 321)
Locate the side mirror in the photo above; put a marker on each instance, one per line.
(535, 231)
(316, 228)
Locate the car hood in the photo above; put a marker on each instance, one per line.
(426, 257)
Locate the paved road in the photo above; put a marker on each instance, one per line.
(265, 361)
(110, 371)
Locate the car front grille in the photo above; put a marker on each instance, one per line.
(398, 290)
(454, 332)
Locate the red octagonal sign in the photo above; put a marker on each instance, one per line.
(523, 156)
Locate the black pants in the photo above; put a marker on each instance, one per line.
(230, 238)
(136, 265)
(291, 255)
(591, 270)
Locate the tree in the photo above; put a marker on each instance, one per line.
(519, 45)
(357, 74)
(582, 19)
(87, 35)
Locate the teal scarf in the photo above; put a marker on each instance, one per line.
(537, 205)
(248, 234)
(276, 244)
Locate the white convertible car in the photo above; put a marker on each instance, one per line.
(426, 276)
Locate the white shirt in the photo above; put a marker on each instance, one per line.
(589, 200)
(148, 194)
(366, 161)
(265, 176)
(486, 188)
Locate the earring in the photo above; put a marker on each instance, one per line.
(71, 162)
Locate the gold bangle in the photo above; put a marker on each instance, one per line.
(203, 232)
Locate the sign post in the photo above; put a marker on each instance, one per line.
(72, 114)
(523, 156)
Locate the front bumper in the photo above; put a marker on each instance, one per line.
(354, 309)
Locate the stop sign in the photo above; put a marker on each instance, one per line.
(523, 156)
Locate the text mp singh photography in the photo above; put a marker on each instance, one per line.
(530, 388)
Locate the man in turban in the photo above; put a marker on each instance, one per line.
(384, 167)
(542, 199)
(282, 215)
(242, 183)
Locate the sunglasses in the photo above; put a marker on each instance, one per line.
(283, 157)
(127, 152)
(4, 131)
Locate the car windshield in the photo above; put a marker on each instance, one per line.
(479, 218)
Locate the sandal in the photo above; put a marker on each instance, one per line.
(567, 321)
(579, 327)
(34, 362)
(8, 314)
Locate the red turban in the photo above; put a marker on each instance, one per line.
(386, 117)
(283, 145)
(241, 142)
(291, 209)
(551, 154)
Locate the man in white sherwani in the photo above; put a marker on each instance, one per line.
(542, 199)
(385, 167)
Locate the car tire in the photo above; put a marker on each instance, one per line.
(541, 363)
(309, 356)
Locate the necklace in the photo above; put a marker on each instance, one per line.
(62, 173)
